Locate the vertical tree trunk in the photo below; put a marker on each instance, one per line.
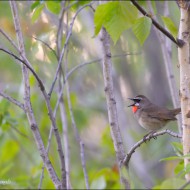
(111, 105)
(184, 61)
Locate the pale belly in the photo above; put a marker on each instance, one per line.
(152, 124)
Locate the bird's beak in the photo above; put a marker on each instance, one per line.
(133, 99)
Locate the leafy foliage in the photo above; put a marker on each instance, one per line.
(170, 25)
(116, 17)
(141, 28)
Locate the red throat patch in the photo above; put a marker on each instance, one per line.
(134, 108)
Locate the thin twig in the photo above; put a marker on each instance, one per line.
(14, 101)
(28, 66)
(46, 44)
(20, 133)
(144, 140)
(94, 61)
(64, 47)
(77, 136)
(157, 25)
(9, 39)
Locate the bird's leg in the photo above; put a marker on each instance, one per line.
(149, 134)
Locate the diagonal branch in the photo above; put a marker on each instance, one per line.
(179, 43)
(14, 101)
(28, 66)
(9, 39)
(144, 140)
(29, 110)
(64, 47)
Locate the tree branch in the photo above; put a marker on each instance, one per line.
(111, 104)
(29, 111)
(144, 140)
(179, 43)
(64, 47)
(41, 85)
(14, 101)
(9, 39)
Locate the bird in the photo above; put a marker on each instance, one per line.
(150, 116)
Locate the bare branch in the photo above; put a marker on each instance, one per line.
(46, 44)
(9, 39)
(77, 136)
(93, 61)
(29, 111)
(111, 105)
(28, 66)
(63, 50)
(144, 140)
(12, 100)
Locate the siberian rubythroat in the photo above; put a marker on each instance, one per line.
(151, 116)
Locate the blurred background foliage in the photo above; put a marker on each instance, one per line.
(140, 72)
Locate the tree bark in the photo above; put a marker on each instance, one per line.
(184, 61)
(111, 105)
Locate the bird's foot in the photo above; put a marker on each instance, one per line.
(150, 135)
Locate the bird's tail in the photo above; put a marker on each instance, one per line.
(176, 111)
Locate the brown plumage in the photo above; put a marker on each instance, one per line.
(151, 116)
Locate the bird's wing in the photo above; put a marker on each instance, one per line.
(162, 114)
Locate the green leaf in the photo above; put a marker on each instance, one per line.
(172, 183)
(178, 148)
(179, 168)
(116, 17)
(13, 148)
(154, 6)
(186, 170)
(175, 158)
(141, 28)
(35, 4)
(169, 24)
(37, 12)
(53, 6)
(98, 183)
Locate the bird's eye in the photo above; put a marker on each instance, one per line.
(137, 100)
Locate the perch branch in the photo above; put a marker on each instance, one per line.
(144, 140)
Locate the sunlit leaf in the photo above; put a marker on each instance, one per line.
(170, 26)
(178, 148)
(37, 12)
(175, 158)
(179, 168)
(35, 4)
(141, 28)
(116, 17)
(53, 6)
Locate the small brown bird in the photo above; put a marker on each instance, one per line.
(151, 116)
